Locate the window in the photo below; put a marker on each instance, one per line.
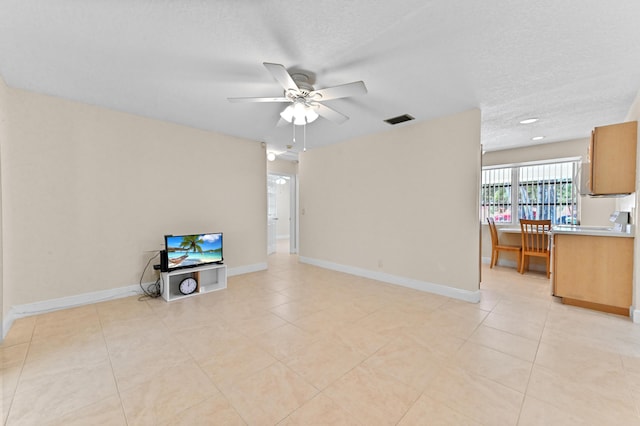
(495, 199)
(537, 191)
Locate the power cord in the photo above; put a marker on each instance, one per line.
(153, 290)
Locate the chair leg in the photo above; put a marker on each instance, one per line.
(520, 264)
(548, 267)
(494, 255)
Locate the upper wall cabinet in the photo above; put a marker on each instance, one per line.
(612, 159)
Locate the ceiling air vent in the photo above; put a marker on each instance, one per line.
(399, 119)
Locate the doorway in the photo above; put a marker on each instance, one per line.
(282, 219)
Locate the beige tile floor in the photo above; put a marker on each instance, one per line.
(299, 345)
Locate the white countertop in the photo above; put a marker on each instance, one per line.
(600, 231)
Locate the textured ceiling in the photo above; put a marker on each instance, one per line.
(574, 64)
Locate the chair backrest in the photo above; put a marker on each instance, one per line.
(493, 230)
(535, 235)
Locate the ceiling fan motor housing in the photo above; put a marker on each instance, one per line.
(303, 83)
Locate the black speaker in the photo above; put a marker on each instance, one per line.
(164, 261)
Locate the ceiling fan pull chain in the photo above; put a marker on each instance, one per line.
(294, 133)
(304, 137)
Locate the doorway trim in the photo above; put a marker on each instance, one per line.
(293, 210)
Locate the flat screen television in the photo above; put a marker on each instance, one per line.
(189, 251)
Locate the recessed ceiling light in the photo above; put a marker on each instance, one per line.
(537, 138)
(529, 121)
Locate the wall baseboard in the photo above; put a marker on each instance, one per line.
(635, 315)
(439, 289)
(36, 308)
(247, 269)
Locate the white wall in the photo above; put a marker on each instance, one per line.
(88, 194)
(397, 205)
(540, 152)
(282, 167)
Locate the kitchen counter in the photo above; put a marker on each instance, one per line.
(593, 267)
(597, 231)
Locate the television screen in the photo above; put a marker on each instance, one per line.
(185, 251)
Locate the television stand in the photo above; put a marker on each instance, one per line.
(210, 277)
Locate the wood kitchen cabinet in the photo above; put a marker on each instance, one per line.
(612, 159)
(594, 272)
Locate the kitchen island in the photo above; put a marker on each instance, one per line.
(593, 267)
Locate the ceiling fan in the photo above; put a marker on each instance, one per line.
(305, 101)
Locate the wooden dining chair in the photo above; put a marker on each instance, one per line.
(535, 242)
(496, 247)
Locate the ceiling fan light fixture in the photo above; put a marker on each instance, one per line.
(287, 114)
(311, 114)
(299, 114)
(299, 120)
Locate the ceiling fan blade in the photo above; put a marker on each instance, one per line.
(341, 91)
(280, 99)
(282, 76)
(330, 113)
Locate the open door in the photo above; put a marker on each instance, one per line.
(282, 220)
